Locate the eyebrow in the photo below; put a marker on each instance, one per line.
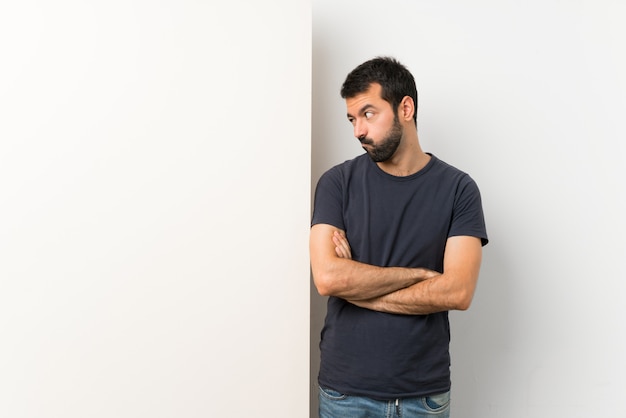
(362, 110)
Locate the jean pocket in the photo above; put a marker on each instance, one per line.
(437, 402)
(332, 394)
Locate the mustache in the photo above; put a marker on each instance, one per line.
(365, 140)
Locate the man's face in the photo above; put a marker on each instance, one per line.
(376, 125)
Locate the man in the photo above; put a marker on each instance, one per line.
(396, 242)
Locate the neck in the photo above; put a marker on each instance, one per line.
(408, 159)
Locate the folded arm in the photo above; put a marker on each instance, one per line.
(451, 290)
(336, 274)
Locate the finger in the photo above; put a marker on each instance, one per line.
(345, 244)
(340, 248)
(340, 253)
(340, 240)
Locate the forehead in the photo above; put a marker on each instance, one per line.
(371, 97)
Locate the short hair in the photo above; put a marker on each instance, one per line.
(394, 78)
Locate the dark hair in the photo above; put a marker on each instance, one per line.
(394, 78)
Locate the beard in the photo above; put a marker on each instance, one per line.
(387, 147)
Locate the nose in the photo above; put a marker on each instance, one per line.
(360, 130)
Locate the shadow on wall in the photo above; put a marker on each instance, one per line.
(318, 312)
(320, 155)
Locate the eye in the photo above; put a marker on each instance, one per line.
(369, 114)
(351, 120)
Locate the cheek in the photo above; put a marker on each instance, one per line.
(382, 131)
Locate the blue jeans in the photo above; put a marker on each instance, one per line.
(337, 405)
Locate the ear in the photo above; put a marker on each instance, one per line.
(406, 110)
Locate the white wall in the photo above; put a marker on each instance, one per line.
(529, 98)
(154, 179)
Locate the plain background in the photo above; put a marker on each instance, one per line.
(154, 187)
(144, 273)
(529, 98)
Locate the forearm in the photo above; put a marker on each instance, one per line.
(437, 294)
(412, 291)
(336, 274)
(352, 280)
